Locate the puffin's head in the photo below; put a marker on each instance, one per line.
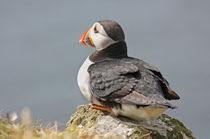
(102, 34)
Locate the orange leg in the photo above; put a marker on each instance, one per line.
(103, 109)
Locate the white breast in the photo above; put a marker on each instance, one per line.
(83, 79)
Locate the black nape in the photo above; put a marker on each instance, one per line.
(116, 50)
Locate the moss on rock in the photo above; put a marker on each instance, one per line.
(91, 123)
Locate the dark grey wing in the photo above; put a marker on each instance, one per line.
(113, 79)
(168, 92)
(126, 81)
(148, 70)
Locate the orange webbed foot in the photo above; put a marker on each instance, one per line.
(103, 109)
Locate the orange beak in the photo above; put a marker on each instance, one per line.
(86, 39)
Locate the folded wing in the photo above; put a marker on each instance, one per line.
(129, 81)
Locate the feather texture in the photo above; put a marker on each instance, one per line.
(129, 81)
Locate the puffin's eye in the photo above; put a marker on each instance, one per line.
(95, 30)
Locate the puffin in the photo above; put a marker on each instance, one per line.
(122, 85)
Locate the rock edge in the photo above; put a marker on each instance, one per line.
(91, 123)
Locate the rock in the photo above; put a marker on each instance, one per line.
(93, 123)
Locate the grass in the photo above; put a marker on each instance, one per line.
(26, 130)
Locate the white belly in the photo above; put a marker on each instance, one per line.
(141, 113)
(83, 79)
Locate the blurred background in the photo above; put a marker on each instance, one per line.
(40, 55)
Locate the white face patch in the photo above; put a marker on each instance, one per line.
(100, 39)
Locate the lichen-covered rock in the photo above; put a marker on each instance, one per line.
(92, 123)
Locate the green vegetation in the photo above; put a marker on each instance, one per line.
(26, 130)
(88, 123)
